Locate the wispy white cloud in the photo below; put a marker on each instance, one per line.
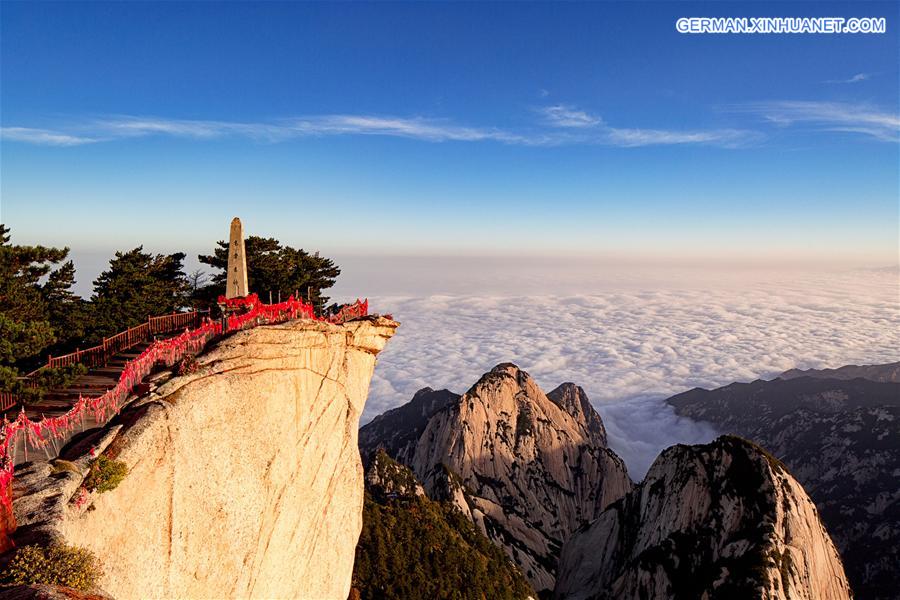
(726, 138)
(42, 136)
(415, 128)
(855, 79)
(591, 128)
(830, 116)
(120, 127)
(561, 125)
(563, 115)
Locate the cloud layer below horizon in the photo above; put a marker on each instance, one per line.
(633, 348)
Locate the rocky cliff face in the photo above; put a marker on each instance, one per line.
(244, 478)
(526, 468)
(397, 431)
(839, 438)
(388, 479)
(572, 399)
(723, 520)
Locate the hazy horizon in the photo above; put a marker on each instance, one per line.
(399, 275)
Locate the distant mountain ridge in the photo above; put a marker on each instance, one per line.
(840, 437)
(888, 373)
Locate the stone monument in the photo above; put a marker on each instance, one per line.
(236, 286)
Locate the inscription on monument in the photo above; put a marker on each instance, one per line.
(237, 263)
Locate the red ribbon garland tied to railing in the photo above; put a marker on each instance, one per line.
(167, 351)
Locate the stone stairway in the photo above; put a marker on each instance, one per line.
(92, 384)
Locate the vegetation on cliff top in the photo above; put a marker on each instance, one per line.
(276, 269)
(105, 474)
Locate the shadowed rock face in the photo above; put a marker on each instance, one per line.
(528, 470)
(397, 431)
(244, 479)
(839, 438)
(572, 399)
(723, 520)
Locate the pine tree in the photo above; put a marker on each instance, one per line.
(274, 268)
(137, 285)
(66, 310)
(28, 308)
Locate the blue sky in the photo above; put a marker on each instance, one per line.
(451, 129)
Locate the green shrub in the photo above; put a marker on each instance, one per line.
(59, 564)
(105, 474)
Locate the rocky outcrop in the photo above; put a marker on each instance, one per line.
(397, 431)
(723, 520)
(839, 438)
(244, 478)
(528, 470)
(388, 479)
(572, 399)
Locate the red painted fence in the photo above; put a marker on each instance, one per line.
(99, 355)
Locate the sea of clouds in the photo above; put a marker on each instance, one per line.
(634, 341)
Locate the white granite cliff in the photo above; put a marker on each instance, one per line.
(244, 478)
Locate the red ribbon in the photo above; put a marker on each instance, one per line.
(167, 352)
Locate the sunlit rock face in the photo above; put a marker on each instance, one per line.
(528, 469)
(722, 520)
(244, 479)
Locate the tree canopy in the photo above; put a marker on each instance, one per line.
(137, 285)
(36, 302)
(272, 267)
(40, 314)
(414, 547)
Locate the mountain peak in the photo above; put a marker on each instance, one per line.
(508, 368)
(532, 469)
(573, 399)
(723, 519)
